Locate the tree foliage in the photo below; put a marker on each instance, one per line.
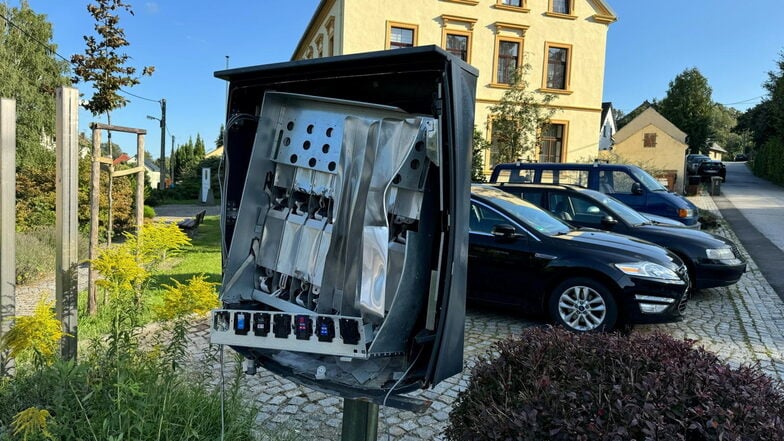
(518, 119)
(477, 157)
(765, 122)
(102, 63)
(219, 139)
(723, 121)
(188, 156)
(689, 106)
(757, 121)
(30, 74)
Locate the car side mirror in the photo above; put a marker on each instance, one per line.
(636, 188)
(504, 231)
(609, 221)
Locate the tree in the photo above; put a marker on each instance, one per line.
(102, 64)
(775, 87)
(723, 121)
(219, 139)
(518, 119)
(477, 157)
(689, 106)
(198, 148)
(30, 74)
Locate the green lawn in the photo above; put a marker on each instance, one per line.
(202, 257)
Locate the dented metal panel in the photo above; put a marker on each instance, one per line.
(345, 219)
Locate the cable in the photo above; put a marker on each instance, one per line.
(140, 97)
(222, 395)
(744, 101)
(389, 392)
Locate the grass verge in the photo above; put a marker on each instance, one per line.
(202, 257)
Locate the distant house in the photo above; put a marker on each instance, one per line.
(151, 170)
(716, 151)
(217, 153)
(122, 158)
(654, 143)
(607, 127)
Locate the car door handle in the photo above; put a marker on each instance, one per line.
(544, 256)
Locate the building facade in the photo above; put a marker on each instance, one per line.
(656, 145)
(563, 42)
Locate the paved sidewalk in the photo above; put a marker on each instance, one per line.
(743, 324)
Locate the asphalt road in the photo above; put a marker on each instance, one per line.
(754, 209)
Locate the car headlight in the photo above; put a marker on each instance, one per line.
(720, 253)
(649, 270)
(724, 255)
(685, 212)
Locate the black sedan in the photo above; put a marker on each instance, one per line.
(712, 260)
(524, 257)
(705, 167)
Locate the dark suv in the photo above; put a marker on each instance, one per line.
(705, 167)
(712, 260)
(523, 257)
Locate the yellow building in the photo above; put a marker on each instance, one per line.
(562, 40)
(656, 145)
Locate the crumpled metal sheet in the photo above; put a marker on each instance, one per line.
(394, 142)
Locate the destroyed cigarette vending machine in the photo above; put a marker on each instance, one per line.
(344, 213)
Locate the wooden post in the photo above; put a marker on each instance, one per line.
(67, 223)
(140, 182)
(109, 208)
(95, 187)
(95, 181)
(7, 223)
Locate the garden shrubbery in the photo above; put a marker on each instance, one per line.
(124, 387)
(553, 384)
(35, 253)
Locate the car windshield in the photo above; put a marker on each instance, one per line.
(523, 211)
(623, 211)
(647, 180)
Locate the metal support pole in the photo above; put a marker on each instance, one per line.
(7, 222)
(67, 207)
(163, 144)
(360, 420)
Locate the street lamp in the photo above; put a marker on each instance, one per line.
(162, 120)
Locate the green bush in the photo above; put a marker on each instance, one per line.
(124, 387)
(33, 258)
(142, 400)
(35, 253)
(149, 212)
(557, 385)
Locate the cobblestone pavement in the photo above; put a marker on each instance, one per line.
(743, 324)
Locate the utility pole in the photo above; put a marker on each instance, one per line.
(163, 143)
(171, 162)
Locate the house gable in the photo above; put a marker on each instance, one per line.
(650, 117)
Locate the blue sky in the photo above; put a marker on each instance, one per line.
(732, 43)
